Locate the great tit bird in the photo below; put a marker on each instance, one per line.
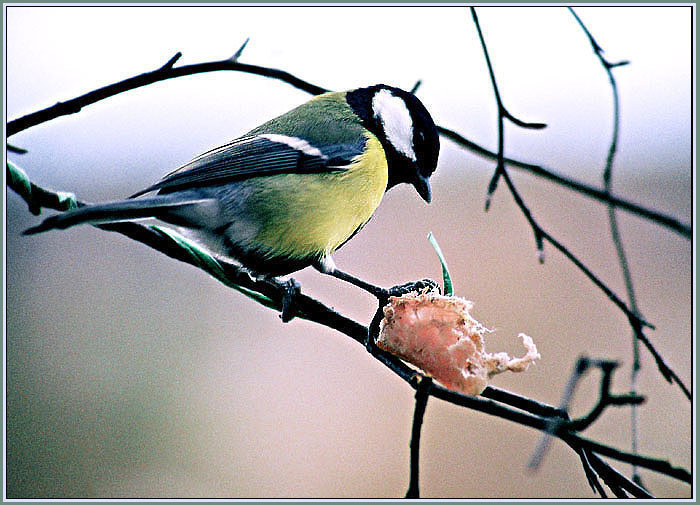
(290, 192)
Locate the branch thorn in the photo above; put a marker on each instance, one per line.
(16, 150)
(238, 53)
(416, 86)
(493, 184)
(523, 124)
(169, 64)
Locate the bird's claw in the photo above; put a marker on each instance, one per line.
(291, 289)
(409, 287)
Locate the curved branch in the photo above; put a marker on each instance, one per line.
(540, 235)
(605, 397)
(270, 292)
(422, 395)
(612, 218)
(165, 72)
(657, 217)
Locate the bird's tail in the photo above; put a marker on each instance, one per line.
(111, 212)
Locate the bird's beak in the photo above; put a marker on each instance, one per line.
(422, 185)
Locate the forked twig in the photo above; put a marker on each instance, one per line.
(495, 402)
(540, 235)
(614, 228)
(167, 71)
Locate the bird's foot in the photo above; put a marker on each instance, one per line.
(291, 289)
(409, 287)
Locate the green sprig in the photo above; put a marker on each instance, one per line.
(446, 279)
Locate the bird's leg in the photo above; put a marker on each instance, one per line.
(291, 289)
(380, 293)
(327, 266)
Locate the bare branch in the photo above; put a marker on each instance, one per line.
(16, 150)
(612, 218)
(591, 191)
(605, 398)
(541, 235)
(555, 424)
(269, 292)
(422, 394)
(416, 86)
(169, 64)
(615, 480)
(238, 53)
(166, 71)
(592, 477)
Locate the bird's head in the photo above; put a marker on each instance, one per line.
(406, 131)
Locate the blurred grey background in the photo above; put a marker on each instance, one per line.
(132, 375)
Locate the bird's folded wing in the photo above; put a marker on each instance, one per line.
(254, 156)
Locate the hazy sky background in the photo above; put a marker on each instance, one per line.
(541, 58)
(132, 375)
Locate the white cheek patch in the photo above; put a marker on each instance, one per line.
(398, 126)
(295, 143)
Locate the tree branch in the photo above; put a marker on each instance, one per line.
(269, 292)
(166, 71)
(541, 235)
(659, 218)
(614, 228)
(422, 394)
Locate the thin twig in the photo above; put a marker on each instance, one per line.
(169, 64)
(591, 475)
(615, 479)
(239, 52)
(502, 115)
(166, 71)
(568, 395)
(605, 397)
(614, 228)
(416, 86)
(541, 235)
(15, 149)
(422, 394)
(656, 217)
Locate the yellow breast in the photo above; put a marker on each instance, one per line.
(324, 210)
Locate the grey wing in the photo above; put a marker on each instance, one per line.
(254, 156)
